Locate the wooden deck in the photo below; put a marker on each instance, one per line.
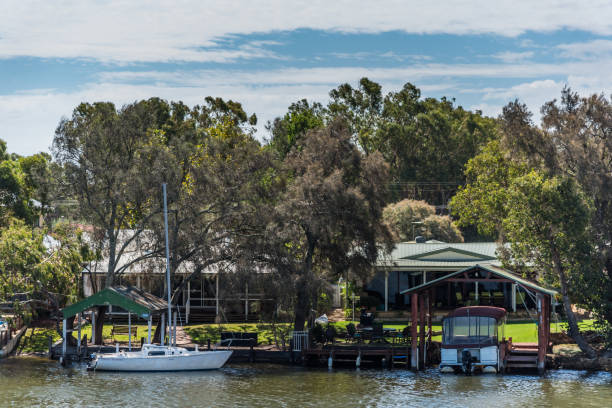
(356, 355)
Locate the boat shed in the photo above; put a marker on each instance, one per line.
(132, 299)
(421, 304)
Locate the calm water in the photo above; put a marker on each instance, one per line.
(39, 382)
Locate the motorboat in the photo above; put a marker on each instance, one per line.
(471, 339)
(160, 358)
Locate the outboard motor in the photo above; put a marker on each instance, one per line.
(466, 362)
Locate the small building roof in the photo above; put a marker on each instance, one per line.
(492, 269)
(129, 298)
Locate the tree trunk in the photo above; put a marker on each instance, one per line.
(574, 331)
(301, 306)
(157, 334)
(100, 313)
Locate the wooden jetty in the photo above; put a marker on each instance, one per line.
(357, 355)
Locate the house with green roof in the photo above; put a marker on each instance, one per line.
(411, 264)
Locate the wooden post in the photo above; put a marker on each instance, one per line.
(174, 331)
(514, 297)
(64, 337)
(93, 326)
(163, 329)
(548, 304)
(149, 332)
(188, 303)
(246, 303)
(430, 297)
(541, 333)
(414, 356)
(217, 297)
(79, 334)
(422, 331)
(386, 290)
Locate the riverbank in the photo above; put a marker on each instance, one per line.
(565, 356)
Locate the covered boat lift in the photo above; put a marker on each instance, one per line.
(130, 298)
(421, 308)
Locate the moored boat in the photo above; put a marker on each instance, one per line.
(471, 338)
(160, 358)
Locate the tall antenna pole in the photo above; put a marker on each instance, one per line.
(167, 257)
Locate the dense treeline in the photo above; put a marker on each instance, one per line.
(313, 202)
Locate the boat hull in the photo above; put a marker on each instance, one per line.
(195, 361)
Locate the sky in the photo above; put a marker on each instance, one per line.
(268, 54)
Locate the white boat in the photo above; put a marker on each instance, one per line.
(160, 358)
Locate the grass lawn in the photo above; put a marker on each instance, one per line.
(201, 333)
(141, 330)
(521, 332)
(36, 340)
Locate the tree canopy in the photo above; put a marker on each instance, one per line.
(328, 219)
(540, 188)
(410, 218)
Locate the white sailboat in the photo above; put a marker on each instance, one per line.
(161, 358)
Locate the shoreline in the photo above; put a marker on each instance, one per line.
(553, 362)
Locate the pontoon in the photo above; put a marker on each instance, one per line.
(470, 339)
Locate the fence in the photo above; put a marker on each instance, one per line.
(300, 340)
(8, 329)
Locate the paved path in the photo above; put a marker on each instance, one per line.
(182, 338)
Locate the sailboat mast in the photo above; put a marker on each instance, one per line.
(167, 255)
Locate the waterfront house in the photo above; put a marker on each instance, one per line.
(411, 264)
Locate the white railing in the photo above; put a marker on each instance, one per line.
(300, 340)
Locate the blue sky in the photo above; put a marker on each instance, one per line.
(54, 55)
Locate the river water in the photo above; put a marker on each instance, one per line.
(28, 382)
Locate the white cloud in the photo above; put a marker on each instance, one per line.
(591, 50)
(29, 118)
(181, 30)
(509, 56)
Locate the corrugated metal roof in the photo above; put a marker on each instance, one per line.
(410, 249)
(411, 255)
(504, 273)
(433, 265)
(129, 298)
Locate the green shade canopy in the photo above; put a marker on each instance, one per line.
(492, 269)
(130, 298)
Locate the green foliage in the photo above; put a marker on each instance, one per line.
(328, 219)
(35, 276)
(541, 190)
(324, 303)
(318, 334)
(483, 201)
(15, 193)
(288, 131)
(421, 140)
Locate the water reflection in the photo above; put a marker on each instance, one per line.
(39, 382)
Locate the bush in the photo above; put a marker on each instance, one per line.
(318, 334)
